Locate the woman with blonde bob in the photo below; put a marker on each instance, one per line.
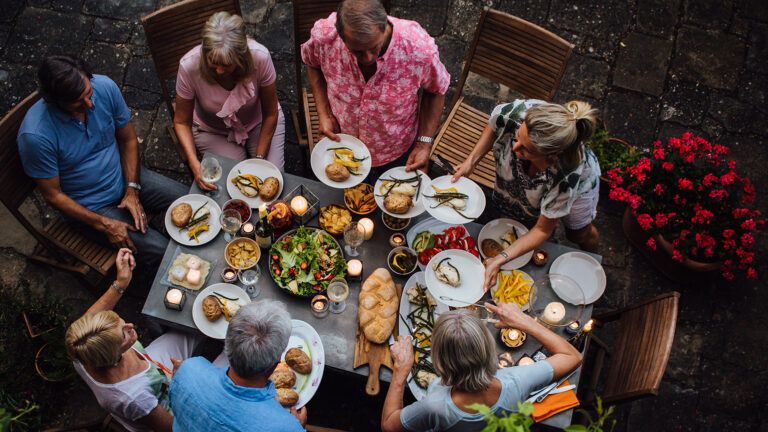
(226, 98)
(129, 381)
(464, 358)
(543, 173)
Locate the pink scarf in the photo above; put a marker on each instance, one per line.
(238, 97)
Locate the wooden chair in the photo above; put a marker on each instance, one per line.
(640, 350)
(305, 13)
(513, 52)
(171, 32)
(59, 244)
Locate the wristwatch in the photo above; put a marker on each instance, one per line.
(117, 288)
(134, 185)
(259, 156)
(425, 139)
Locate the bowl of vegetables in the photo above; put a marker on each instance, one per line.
(402, 260)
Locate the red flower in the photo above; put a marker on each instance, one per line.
(709, 179)
(661, 219)
(720, 149)
(728, 275)
(732, 164)
(751, 273)
(645, 220)
(702, 216)
(658, 153)
(747, 240)
(677, 256)
(651, 243)
(740, 213)
(614, 176)
(728, 233)
(687, 135)
(658, 189)
(684, 184)
(668, 166)
(748, 225)
(718, 194)
(618, 194)
(634, 201)
(728, 178)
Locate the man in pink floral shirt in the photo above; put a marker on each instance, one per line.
(366, 69)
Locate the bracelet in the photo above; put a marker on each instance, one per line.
(117, 288)
(425, 139)
(259, 157)
(505, 255)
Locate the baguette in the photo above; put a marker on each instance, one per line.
(378, 306)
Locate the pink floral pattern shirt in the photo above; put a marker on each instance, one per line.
(383, 112)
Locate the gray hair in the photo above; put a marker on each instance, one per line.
(360, 17)
(257, 336)
(225, 42)
(559, 131)
(463, 351)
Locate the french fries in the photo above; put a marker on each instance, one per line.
(513, 287)
(360, 198)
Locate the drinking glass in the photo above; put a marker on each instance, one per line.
(249, 278)
(353, 237)
(211, 173)
(231, 220)
(337, 292)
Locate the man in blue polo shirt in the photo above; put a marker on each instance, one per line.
(79, 146)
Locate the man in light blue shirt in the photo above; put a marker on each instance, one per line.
(79, 145)
(205, 398)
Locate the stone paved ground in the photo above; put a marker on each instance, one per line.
(655, 68)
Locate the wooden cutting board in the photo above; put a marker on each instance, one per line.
(374, 355)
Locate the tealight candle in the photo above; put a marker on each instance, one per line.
(319, 306)
(174, 299)
(396, 240)
(228, 275)
(367, 225)
(572, 328)
(525, 361)
(540, 257)
(553, 313)
(248, 230)
(354, 268)
(299, 205)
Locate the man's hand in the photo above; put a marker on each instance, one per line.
(419, 157)
(328, 126)
(125, 263)
(117, 233)
(132, 204)
(300, 414)
(402, 354)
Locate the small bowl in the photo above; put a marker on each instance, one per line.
(393, 223)
(241, 206)
(255, 254)
(407, 250)
(367, 189)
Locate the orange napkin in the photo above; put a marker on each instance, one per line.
(555, 403)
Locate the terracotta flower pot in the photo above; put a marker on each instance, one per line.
(694, 265)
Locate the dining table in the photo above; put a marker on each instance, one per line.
(338, 332)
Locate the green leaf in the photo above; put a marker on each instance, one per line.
(576, 428)
(525, 409)
(482, 409)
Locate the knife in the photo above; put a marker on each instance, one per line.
(542, 393)
(445, 164)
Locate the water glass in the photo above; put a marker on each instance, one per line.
(353, 237)
(249, 278)
(211, 173)
(230, 220)
(337, 292)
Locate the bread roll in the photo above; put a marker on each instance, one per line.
(181, 214)
(378, 306)
(298, 360)
(283, 378)
(287, 397)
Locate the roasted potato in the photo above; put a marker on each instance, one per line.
(269, 188)
(337, 172)
(398, 203)
(360, 199)
(181, 214)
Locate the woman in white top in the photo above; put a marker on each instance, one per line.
(127, 380)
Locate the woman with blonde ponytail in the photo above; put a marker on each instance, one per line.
(543, 172)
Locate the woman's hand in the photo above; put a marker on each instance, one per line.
(402, 354)
(125, 263)
(464, 169)
(197, 172)
(510, 316)
(492, 268)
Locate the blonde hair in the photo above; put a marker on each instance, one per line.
(559, 131)
(225, 42)
(463, 351)
(92, 341)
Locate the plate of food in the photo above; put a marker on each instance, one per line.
(499, 234)
(514, 286)
(334, 218)
(303, 261)
(187, 271)
(398, 193)
(193, 220)
(341, 164)
(586, 271)
(301, 366)
(255, 181)
(215, 306)
(455, 203)
(360, 199)
(430, 237)
(454, 277)
(420, 311)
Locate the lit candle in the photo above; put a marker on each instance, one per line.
(174, 299)
(540, 257)
(319, 306)
(299, 205)
(367, 226)
(228, 275)
(525, 361)
(396, 240)
(588, 326)
(553, 313)
(354, 268)
(572, 328)
(248, 229)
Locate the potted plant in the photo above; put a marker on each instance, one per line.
(687, 199)
(521, 421)
(611, 152)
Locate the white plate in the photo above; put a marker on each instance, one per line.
(470, 269)
(195, 201)
(262, 169)
(526, 276)
(418, 200)
(405, 309)
(475, 202)
(497, 228)
(430, 224)
(218, 328)
(585, 270)
(304, 337)
(321, 157)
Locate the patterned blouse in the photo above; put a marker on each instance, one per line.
(550, 193)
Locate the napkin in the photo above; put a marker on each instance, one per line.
(555, 403)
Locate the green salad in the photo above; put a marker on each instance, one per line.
(305, 261)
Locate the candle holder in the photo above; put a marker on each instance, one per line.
(540, 257)
(248, 229)
(229, 275)
(313, 204)
(174, 299)
(319, 306)
(573, 328)
(396, 240)
(354, 270)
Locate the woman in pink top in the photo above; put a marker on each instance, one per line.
(226, 98)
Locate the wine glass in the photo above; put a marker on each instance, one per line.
(231, 220)
(353, 237)
(211, 173)
(338, 291)
(249, 278)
